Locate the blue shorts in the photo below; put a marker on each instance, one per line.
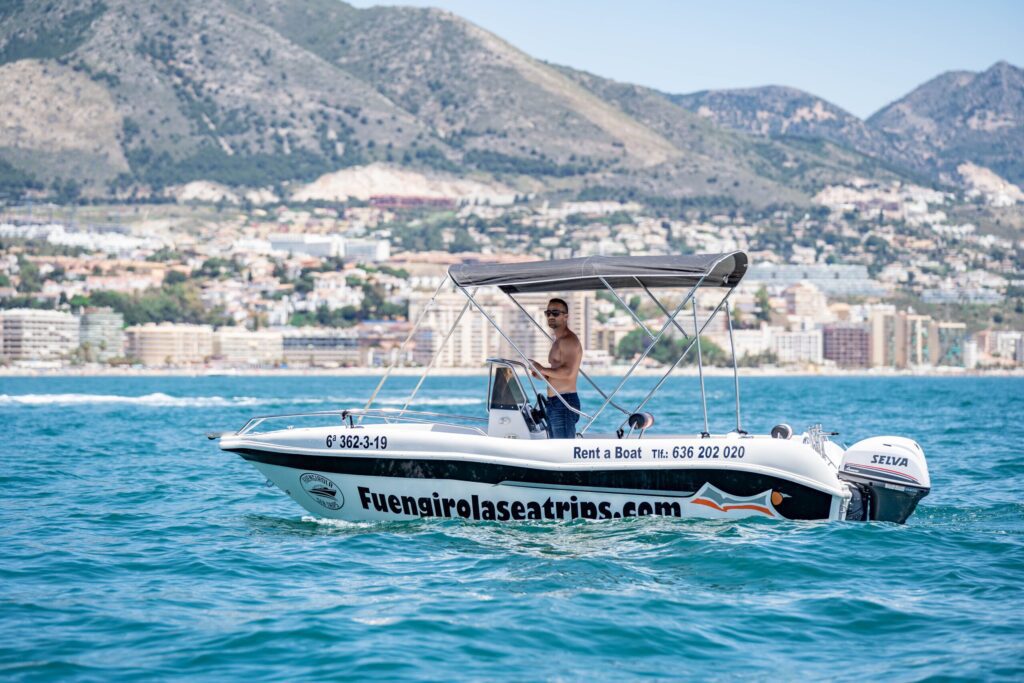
(561, 420)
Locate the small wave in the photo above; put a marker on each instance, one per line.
(342, 523)
(157, 400)
(161, 400)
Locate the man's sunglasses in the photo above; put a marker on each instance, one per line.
(554, 314)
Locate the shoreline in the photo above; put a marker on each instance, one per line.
(86, 371)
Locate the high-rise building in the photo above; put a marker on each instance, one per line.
(37, 335)
(970, 355)
(169, 343)
(901, 339)
(916, 337)
(102, 334)
(885, 337)
(947, 347)
(848, 345)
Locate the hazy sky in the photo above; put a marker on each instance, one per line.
(858, 55)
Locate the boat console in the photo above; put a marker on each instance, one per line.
(510, 415)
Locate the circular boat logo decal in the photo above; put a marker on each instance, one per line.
(322, 490)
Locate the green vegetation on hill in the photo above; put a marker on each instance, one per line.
(14, 182)
(496, 162)
(159, 169)
(56, 37)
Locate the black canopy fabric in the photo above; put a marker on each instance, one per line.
(718, 270)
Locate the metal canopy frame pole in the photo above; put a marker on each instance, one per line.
(700, 369)
(550, 338)
(663, 309)
(696, 336)
(643, 326)
(433, 359)
(700, 362)
(526, 359)
(645, 353)
(735, 369)
(412, 333)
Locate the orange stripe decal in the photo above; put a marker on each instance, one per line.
(759, 508)
(748, 506)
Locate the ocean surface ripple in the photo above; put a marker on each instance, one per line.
(131, 547)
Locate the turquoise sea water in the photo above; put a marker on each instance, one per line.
(131, 547)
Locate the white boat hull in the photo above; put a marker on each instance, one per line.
(367, 498)
(429, 473)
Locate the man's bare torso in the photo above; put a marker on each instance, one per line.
(563, 349)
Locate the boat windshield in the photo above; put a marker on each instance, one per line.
(506, 391)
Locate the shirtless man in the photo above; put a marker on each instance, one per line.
(561, 371)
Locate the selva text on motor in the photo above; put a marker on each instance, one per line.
(892, 460)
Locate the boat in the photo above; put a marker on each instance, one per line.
(366, 463)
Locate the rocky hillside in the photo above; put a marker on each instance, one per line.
(776, 111)
(955, 118)
(122, 97)
(960, 117)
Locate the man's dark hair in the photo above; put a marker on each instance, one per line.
(559, 301)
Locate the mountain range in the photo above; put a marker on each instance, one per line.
(114, 97)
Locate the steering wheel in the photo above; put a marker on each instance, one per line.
(538, 412)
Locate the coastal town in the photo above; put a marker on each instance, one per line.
(875, 277)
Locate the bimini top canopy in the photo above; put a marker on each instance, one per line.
(717, 270)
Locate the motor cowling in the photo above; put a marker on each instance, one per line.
(887, 476)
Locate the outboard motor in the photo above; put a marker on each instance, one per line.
(887, 477)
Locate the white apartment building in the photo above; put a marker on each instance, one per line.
(239, 346)
(1004, 344)
(322, 246)
(367, 251)
(169, 343)
(748, 342)
(321, 347)
(799, 347)
(101, 333)
(970, 355)
(325, 246)
(36, 335)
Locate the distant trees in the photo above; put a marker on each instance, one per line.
(375, 306)
(496, 162)
(669, 349)
(210, 162)
(764, 305)
(15, 182)
(30, 279)
(173, 302)
(175, 277)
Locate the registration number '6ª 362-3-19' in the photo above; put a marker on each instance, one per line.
(356, 441)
